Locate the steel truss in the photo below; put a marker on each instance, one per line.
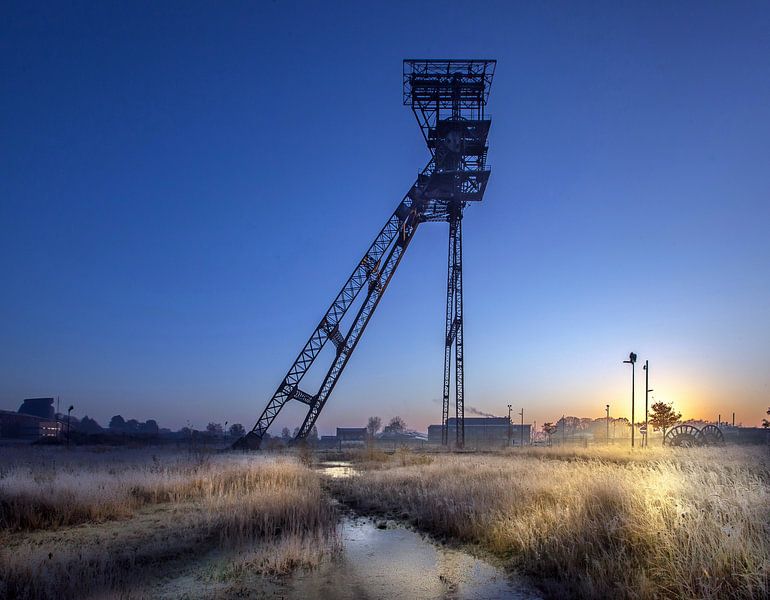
(448, 98)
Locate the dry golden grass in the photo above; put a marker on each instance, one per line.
(371, 457)
(72, 523)
(597, 523)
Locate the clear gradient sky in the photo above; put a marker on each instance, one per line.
(185, 186)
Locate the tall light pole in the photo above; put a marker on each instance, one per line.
(522, 427)
(608, 424)
(69, 410)
(647, 391)
(632, 361)
(509, 424)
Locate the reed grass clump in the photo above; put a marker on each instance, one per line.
(693, 523)
(73, 523)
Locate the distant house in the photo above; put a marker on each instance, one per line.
(327, 441)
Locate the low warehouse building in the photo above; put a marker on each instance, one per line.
(484, 432)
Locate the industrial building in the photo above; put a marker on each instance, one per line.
(34, 419)
(351, 434)
(485, 432)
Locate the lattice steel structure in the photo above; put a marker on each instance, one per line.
(449, 99)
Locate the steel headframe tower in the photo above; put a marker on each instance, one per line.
(448, 98)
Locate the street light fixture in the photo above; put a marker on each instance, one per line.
(647, 391)
(632, 361)
(509, 424)
(69, 410)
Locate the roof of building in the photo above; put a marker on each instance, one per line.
(401, 435)
(8, 414)
(39, 407)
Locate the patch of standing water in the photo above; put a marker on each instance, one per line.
(400, 563)
(336, 469)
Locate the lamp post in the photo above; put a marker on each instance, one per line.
(632, 361)
(69, 410)
(608, 424)
(522, 427)
(509, 424)
(647, 391)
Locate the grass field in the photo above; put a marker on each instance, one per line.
(74, 523)
(594, 523)
(689, 523)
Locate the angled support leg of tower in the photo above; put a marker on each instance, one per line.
(376, 290)
(370, 273)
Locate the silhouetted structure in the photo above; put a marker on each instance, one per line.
(484, 431)
(39, 407)
(351, 434)
(448, 98)
(24, 426)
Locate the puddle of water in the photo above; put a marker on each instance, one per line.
(336, 469)
(373, 564)
(399, 563)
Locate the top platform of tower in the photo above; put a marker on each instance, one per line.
(443, 83)
(447, 89)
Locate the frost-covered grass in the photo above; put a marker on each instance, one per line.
(597, 523)
(79, 521)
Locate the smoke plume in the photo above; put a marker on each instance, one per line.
(475, 411)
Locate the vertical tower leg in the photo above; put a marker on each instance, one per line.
(449, 333)
(458, 319)
(454, 333)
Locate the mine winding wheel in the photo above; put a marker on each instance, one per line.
(711, 435)
(685, 436)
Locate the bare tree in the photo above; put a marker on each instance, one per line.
(237, 430)
(766, 422)
(285, 434)
(373, 426)
(214, 429)
(549, 429)
(396, 425)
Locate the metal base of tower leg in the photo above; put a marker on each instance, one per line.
(250, 441)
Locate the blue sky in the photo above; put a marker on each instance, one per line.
(185, 186)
